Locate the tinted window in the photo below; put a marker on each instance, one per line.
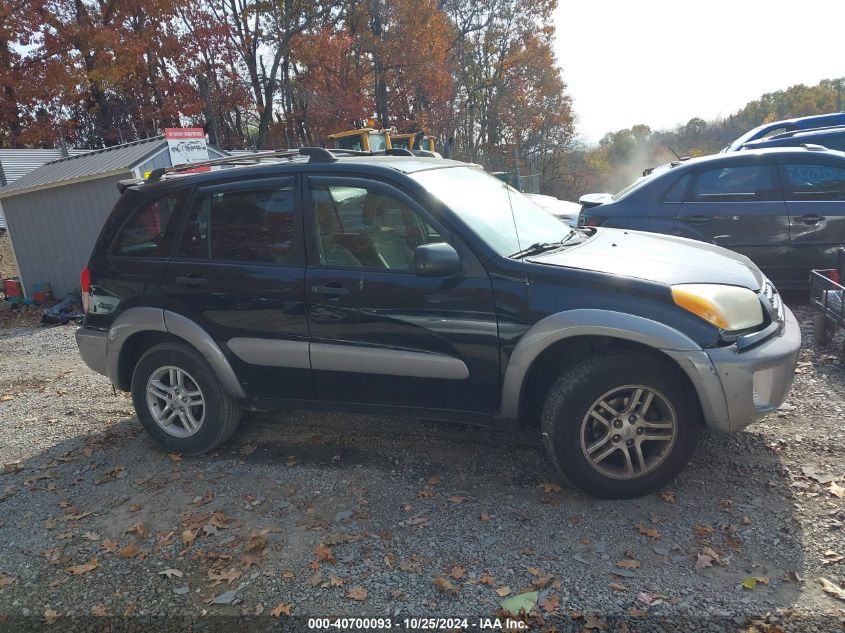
(364, 227)
(247, 226)
(815, 182)
(150, 230)
(735, 184)
(676, 192)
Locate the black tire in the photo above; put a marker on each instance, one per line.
(820, 328)
(572, 397)
(221, 412)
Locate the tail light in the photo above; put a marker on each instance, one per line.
(594, 220)
(85, 285)
(834, 276)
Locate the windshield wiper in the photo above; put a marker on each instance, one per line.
(543, 247)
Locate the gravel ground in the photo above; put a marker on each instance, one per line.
(314, 514)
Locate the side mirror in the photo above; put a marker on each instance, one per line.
(436, 260)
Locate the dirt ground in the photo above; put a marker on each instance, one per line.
(8, 265)
(314, 514)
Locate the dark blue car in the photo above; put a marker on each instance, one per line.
(834, 119)
(784, 208)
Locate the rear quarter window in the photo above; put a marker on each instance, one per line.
(677, 190)
(150, 230)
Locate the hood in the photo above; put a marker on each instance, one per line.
(660, 258)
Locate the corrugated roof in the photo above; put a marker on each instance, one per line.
(17, 163)
(90, 164)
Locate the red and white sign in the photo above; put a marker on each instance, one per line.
(186, 145)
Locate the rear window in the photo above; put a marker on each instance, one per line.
(150, 230)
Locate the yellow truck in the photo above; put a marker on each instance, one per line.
(365, 139)
(414, 140)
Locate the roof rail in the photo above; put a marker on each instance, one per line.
(814, 147)
(812, 130)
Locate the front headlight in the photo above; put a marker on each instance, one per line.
(729, 308)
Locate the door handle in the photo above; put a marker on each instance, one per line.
(697, 219)
(811, 218)
(192, 280)
(333, 291)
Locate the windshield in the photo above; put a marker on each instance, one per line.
(484, 204)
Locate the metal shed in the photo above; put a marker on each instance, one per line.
(55, 212)
(15, 163)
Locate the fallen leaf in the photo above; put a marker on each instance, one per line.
(139, 528)
(50, 616)
(12, 469)
(618, 587)
(128, 551)
(283, 608)
(6, 580)
(134, 507)
(522, 603)
(550, 604)
(503, 591)
(204, 499)
(459, 499)
(219, 576)
(110, 545)
(175, 457)
(836, 490)
(668, 496)
(703, 560)
(357, 593)
(550, 487)
(749, 583)
(336, 581)
(594, 622)
(702, 531)
(484, 517)
(831, 557)
(649, 532)
(50, 524)
(78, 570)
(427, 492)
(628, 563)
(635, 612)
(99, 611)
(435, 480)
(91, 536)
(324, 552)
(832, 589)
(256, 543)
(170, 572)
(443, 584)
(487, 579)
(457, 572)
(188, 537)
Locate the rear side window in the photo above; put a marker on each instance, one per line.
(255, 225)
(814, 182)
(676, 192)
(150, 230)
(735, 184)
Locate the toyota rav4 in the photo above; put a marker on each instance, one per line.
(425, 288)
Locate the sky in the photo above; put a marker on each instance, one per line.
(662, 62)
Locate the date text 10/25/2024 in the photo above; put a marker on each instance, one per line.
(431, 624)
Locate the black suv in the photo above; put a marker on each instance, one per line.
(426, 288)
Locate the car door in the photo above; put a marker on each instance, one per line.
(815, 199)
(740, 207)
(239, 273)
(379, 333)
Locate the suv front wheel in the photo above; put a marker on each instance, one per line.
(620, 424)
(180, 401)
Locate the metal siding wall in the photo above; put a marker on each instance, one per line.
(54, 230)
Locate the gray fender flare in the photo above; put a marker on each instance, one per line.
(136, 320)
(591, 322)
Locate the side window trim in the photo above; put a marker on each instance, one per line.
(325, 180)
(183, 197)
(292, 181)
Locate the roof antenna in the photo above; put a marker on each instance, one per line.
(673, 151)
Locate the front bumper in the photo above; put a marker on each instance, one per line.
(735, 388)
(92, 348)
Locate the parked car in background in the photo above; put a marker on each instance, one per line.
(426, 288)
(784, 208)
(561, 209)
(789, 125)
(827, 137)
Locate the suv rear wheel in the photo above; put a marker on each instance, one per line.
(620, 424)
(180, 401)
